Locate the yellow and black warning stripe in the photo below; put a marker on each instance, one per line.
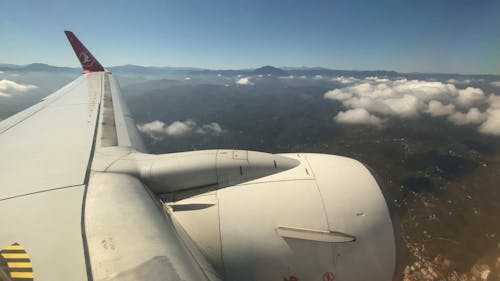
(15, 262)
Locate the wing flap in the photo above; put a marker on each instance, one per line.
(47, 225)
(133, 240)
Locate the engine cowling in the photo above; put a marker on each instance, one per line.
(326, 219)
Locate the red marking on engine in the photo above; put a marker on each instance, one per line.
(328, 276)
(291, 278)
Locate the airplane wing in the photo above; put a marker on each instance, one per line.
(59, 219)
(80, 200)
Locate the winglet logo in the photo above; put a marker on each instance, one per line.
(86, 59)
(15, 264)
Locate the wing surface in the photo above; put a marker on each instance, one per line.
(45, 154)
(71, 222)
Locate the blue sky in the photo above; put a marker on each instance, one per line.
(452, 36)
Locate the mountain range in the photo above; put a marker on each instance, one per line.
(265, 70)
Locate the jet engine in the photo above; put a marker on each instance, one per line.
(322, 218)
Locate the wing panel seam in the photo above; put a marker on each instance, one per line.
(41, 191)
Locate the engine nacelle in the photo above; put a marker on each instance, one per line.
(326, 219)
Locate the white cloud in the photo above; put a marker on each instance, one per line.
(244, 81)
(455, 81)
(212, 129)
(338, 94)
(345, 80)
(492, 124)
(155, 129)
(436, 108)
(495, 84)
(317, 77)
(178, 128)
(8, 87)
(470, 96)
(494, 101)
(187, 78)
(370, 100)
(473, 116)
(158, 130)
(403, 98)
(406, 106)
(358, 116)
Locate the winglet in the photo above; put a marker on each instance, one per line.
(88, 61)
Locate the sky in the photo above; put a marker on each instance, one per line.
(445, 36)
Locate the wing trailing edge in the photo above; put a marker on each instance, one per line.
(87, 60)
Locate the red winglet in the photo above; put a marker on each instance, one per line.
(88, 61)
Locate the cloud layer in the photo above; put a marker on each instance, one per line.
(158, 130)
(8, 88)
(373, 100)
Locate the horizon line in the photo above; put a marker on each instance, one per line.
(254, 68)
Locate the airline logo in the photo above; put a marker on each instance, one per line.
(15, 264)
(86, 59)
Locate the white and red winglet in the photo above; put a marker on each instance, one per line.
(88, 61)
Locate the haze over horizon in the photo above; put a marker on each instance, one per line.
(425, 36)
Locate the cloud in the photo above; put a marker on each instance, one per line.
(244, 81)
(469, 96)
(358, 116)
(406, 106)
(495, 84)
(178, 128)
(8, 88)
(187, 78)
(212, 129)
(436, 108)
(403, 98)
(344, 80)
(318, 77)
(455, 81)
(494, 101)
(338, 94)
(492, 124)
(473, 116)
(158, 130)
(371, 100)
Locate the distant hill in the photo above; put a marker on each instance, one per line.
(37, 67)
(225, 72)
(271, 70)
(137, 69)
(312, 71)
(265, 70)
